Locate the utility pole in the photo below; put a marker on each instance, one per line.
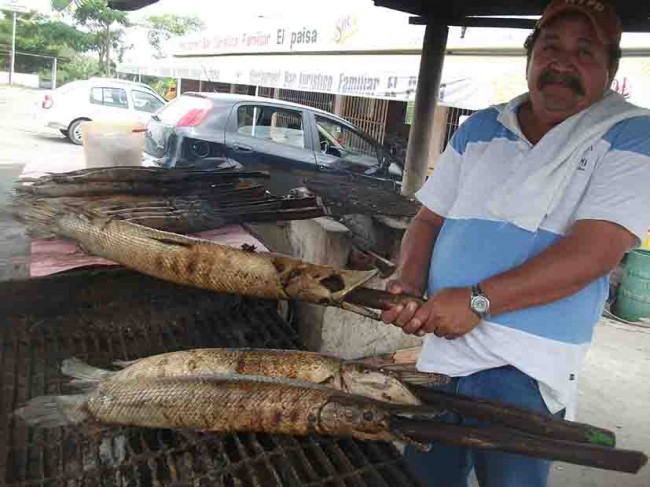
(54, 62)
(13, 53)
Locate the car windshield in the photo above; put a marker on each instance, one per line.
(339, 140)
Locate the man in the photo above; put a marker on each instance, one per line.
(531, 206)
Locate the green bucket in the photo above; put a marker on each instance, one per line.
(633, 298)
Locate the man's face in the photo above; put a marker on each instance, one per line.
(569, 67)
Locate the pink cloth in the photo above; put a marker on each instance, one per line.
(52, 256)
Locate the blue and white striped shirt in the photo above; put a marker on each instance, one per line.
(549, 342)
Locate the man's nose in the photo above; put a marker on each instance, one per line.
(563, 61)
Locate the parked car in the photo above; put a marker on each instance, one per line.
(74, 103)
(288, 140)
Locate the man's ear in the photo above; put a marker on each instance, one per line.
(612, 73)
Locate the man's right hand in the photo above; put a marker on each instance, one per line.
(401, 315)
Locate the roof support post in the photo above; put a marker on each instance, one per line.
(421, 137)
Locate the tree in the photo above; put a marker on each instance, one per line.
(40, 36)
(79, 67)
(98, 18)
(164, 27)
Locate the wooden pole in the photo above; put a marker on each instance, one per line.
(492, 438)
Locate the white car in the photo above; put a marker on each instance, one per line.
(101, 99)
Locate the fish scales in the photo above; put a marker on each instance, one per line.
(206, 265)
(352, 377)
(306, 366)
(209, 405)
(177, 259)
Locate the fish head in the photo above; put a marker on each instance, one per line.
(365, 380)
(317, 283)
(353, 415)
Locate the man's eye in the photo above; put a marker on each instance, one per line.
(586, 52)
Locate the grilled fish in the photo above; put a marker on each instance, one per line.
(223, 404)
(195, 262)
(350, 377)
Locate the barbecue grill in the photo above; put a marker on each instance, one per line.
(104, 315)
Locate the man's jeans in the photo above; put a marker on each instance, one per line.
(450, 466)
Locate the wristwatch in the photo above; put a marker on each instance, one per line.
(479, 302)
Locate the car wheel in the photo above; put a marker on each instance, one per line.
(64, 132)
(74, 131)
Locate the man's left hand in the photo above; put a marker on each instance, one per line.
(449, 315)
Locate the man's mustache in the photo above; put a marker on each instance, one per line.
(550, 76)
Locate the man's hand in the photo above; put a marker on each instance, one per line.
(447, 314)
(400, 315)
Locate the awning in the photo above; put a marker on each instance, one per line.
(468, 81)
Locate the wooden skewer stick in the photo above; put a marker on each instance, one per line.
(503, 439)
(513, 417)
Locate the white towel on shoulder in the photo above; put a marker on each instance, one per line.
(525, 199)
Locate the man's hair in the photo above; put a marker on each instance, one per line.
(614, 50)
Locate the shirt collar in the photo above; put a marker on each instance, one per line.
(508, 114)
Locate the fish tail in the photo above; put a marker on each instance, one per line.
(54, 411)
(38, 215)
(73, 367)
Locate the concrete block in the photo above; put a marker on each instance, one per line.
(332, 330)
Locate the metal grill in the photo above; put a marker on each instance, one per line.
(101, 316)
(453, 121)
(322, 101)
(369, 114)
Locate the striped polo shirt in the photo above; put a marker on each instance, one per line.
(611, 182)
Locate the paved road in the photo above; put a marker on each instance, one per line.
(29, 149)
(615, 385)
(24, 141)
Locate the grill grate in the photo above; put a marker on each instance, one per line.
(101, 316)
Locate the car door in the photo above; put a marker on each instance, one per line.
(343, 148)
(145, 104)
(109, 103)
(272, 138)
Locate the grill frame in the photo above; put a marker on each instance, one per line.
(105, 315)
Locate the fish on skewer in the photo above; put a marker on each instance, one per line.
(195, 262)
(225, 404)
(327, 370)
(222, 403)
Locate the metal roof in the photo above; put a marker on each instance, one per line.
(634, 14)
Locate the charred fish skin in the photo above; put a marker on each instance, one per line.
(289, 364)
(195, 262)
(351, 377)
(343, 415)
(236, 403)
(365, 380)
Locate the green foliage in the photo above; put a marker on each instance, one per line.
(79, 67)
(99, 19)
(36, 34)
(161, 86)
(164, 27)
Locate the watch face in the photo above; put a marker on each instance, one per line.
(480, 304)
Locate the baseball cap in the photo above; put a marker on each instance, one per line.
(600, 12)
